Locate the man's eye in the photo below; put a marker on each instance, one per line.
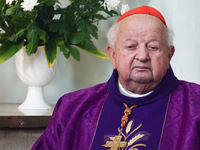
(131, 47)
(153, 48)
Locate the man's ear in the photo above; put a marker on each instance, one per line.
(170, 55)
(111, 54)
(172, 49)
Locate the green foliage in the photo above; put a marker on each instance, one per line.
(77, 38)
(74, 52)
(74, 26)
(33, 38)
(8, 49)
(51, 52)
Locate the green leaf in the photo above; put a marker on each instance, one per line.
(77, 38)
(58, 26)
(50, 2)
(100, 17)
(87, 28)
(66, 35)
(51, 52)
(20, 33)
(30, 48)
(43, 36)
(33, 38)
(90, 48)
(20, 21)
(12, 10)
(3, 38)
(2, 5)
(111, 13)
(67, 55)
(74, 51)
(65, 51)
(8, 49)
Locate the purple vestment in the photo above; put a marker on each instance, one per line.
(167, 119)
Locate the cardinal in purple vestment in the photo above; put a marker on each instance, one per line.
(143, 106)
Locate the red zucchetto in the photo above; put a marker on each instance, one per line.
(143, 10)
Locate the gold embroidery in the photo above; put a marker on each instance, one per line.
(117, 143)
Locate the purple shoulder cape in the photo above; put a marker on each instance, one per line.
(75, 118)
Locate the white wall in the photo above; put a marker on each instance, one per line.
(182, 16)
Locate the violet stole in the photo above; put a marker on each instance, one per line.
(113, 111)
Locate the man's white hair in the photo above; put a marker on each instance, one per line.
(113, 32)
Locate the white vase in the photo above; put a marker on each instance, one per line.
(34, 72)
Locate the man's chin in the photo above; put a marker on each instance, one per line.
(142, 77)
(142, 80)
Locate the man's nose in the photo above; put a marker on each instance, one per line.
(142, 54)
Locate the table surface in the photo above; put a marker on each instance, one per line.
(11, 109)
(12, 117)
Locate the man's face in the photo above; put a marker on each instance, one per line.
(140, 54)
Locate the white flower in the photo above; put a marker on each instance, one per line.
(29, 4)
(125, 8)
(111, 4)
(9, 1)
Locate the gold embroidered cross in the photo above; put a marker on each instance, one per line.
(116, 143)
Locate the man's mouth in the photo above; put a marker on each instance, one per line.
(141, 68)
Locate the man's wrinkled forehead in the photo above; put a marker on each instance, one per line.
(143, 10)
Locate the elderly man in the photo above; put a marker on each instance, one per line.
(143, 106)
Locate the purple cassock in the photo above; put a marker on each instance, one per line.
(89, 119)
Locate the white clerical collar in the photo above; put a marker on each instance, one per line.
(125, 92)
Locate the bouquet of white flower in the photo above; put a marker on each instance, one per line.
(31, 23)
